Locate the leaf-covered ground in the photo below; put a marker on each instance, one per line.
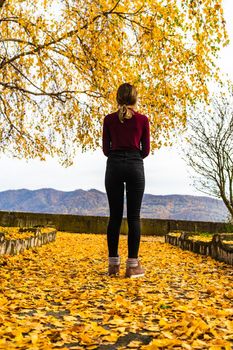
(59, 296)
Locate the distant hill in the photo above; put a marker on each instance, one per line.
(94, 202)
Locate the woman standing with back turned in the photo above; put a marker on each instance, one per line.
(123, 131)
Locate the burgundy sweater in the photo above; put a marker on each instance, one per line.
(127, 135)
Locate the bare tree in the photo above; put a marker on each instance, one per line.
(209, 147)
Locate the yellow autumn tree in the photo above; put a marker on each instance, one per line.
(62, 61)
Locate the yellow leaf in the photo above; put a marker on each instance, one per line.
(34, 338)
(111, 338)
(162, 322)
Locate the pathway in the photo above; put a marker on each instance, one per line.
(59, 296)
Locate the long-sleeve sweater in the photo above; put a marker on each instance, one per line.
(128, 135)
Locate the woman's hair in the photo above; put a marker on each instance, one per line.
(126, 95)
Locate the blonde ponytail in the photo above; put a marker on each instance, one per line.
(124, 112)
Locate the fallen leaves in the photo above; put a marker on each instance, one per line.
(14, 233)
(60, 296)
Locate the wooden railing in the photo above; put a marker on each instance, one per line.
(220, 247)
(16, 246)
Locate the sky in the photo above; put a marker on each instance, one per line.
(165, 171)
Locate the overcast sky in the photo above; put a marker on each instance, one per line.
(165, 171)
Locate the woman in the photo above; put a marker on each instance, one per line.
(123, 131)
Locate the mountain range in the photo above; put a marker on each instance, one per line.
(94, 202)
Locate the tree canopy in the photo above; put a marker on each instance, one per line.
(62, 61)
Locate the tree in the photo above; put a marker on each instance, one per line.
(209, 148)
(61, 63)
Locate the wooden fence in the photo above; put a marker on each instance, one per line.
(16, 246)
(219, 248)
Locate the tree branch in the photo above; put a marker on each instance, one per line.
(2, 3)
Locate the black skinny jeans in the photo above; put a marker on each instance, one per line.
(124, 166)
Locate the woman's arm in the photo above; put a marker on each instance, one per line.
(145, 139)
(105, 138)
